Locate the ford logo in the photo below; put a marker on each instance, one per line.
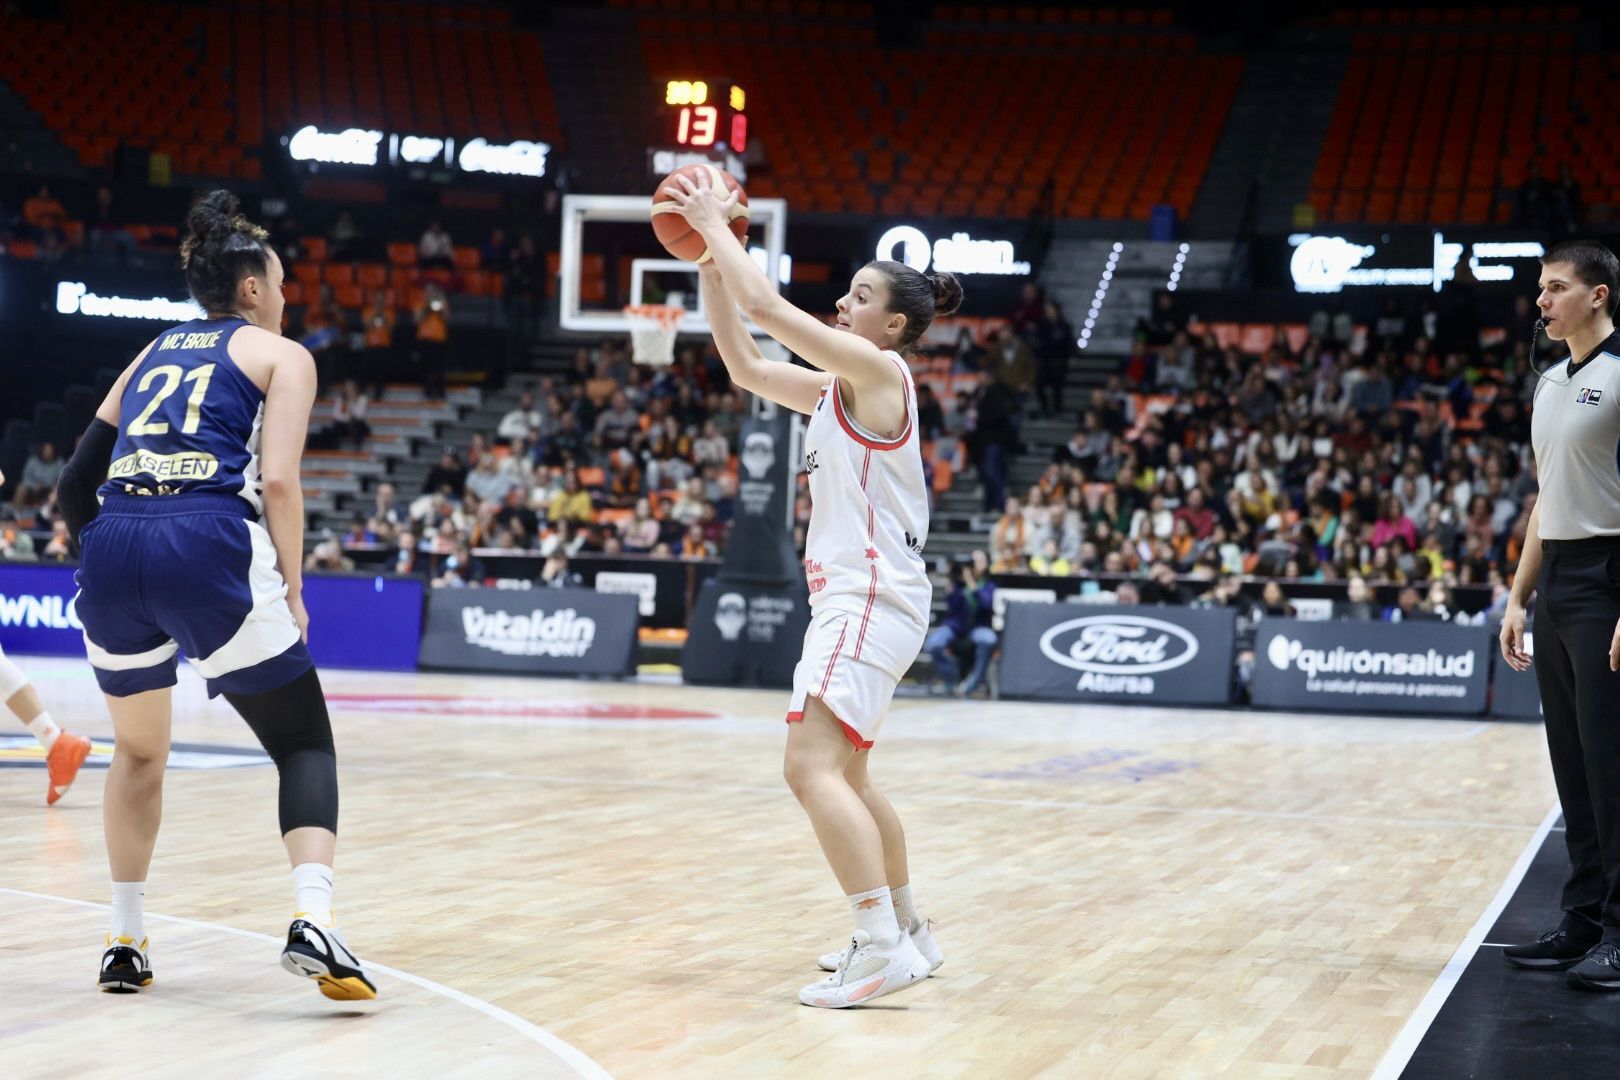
(1119, 645)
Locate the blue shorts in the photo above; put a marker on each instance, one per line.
(162, 573)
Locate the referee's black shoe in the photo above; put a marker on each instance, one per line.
(1599, 971)
(1555, 950)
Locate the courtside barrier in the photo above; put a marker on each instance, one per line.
(1149, 655)
(1371, 667)
(356, 621)
(531, 631)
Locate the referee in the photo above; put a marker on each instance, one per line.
(1571, 559)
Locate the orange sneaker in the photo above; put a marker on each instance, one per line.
(67, 754)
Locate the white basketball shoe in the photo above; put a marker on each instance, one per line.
(922, 937)
(866, 972)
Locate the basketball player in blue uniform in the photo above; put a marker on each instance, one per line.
(184, 495)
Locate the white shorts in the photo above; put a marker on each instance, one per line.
(852, 661)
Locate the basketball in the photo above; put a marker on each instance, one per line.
(679, 238)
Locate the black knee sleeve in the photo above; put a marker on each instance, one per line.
(293, 727)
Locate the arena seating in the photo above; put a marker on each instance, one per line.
(353, 283)
(1438, 120)
(209, 99)
(977, 121)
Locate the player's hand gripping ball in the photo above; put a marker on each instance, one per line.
(694, 196)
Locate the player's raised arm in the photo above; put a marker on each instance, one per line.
(791, 387)
(846, 355)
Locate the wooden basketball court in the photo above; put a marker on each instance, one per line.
(566, 878)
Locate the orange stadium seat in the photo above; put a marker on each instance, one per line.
(1434, 116)
(351, 63)
(1159, 109)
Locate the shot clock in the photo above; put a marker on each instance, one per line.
(706, 115)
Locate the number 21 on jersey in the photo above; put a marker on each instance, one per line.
(171, 376)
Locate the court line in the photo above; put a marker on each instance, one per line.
(1039, 804)
(1417, 1025)
(570, 1055)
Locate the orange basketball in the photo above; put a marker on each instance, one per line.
(679, 238)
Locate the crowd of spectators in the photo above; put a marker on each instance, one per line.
(42, 221)
(1395, 452)
(392, 334)
(1369, 455)
(611, 458)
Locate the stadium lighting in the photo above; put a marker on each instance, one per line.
(1101, 294)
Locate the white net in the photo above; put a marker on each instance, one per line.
(652, 332)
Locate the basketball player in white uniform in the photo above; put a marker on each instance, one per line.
(64, 752)
(869, 588)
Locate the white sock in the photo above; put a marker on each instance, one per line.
(128, 901)
(874, 913)
(905, 909)
(44, 729)
(312, 888)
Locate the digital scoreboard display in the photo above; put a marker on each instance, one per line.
(705, 115)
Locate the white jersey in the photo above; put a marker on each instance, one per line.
(869, 516)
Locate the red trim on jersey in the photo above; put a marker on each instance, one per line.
(849, 733)
(871, 598)
(827, 678)
(871, 590)
(872, 444)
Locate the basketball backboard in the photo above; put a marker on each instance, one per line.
(594, 226)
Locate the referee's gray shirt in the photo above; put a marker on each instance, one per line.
(1575, 432)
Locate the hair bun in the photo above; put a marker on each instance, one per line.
(211, 215)
(212, 221)
(947, 292)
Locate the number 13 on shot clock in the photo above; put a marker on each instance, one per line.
(706, 115)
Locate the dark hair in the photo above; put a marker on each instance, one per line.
(220, 249)
(918, 296)
(1594, 265)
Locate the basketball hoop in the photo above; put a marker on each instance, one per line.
(652, 332)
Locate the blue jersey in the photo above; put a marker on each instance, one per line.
(189, 420)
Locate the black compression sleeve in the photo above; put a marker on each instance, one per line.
(84, 472)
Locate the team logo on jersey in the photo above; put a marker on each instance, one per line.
(810, 463)
(758, 454)
(913, 543)
(1588, 396)
(731, 615)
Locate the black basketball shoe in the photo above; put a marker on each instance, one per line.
(125, 966)
(319, 952)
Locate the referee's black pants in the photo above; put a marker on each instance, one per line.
(1577, 608)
